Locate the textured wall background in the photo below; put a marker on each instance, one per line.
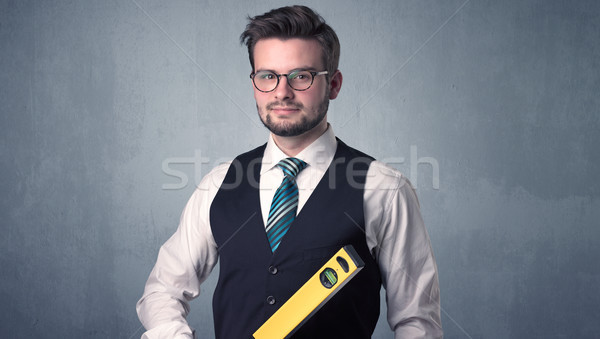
(503, 95)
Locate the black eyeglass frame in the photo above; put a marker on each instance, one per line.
(312, 80)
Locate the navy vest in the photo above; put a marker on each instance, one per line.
(254, 282)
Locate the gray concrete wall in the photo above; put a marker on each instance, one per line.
(490, 107)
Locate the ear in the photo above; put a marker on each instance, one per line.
(335, 84)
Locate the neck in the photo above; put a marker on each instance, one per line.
(291, 146)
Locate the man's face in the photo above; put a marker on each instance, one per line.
(285, 111)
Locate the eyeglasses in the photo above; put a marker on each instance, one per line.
(300, 80)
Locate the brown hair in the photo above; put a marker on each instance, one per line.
(293, 22)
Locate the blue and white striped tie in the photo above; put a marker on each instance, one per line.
(285, 202)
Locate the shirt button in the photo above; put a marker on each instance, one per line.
(272, 269)
(271, 300)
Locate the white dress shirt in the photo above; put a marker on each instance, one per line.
(394, 229)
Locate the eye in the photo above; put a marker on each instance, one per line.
(266, 76)
(299, 75)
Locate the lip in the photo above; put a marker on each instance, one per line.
(284, 110)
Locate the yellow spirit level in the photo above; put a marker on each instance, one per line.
(328, 280)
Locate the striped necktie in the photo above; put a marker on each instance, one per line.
(285, 202)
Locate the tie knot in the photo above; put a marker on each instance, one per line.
(291, 166)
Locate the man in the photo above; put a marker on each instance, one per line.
(276, 214)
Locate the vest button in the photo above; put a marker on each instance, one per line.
(271, 300)
(272, 269)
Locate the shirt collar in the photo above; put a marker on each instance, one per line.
(317, 155)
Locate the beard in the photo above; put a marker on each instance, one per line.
(293, 128)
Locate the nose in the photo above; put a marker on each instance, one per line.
(283, 89)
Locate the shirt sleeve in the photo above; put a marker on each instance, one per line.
(184, 261)
(400, 244)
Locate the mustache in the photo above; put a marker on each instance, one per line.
(279, 104)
